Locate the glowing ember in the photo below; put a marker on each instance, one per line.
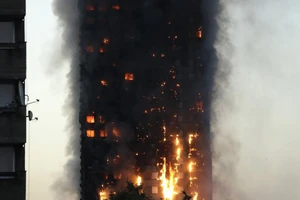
(101, 50)
(129, 76)
(103, 195)
(116, 7)
(165, 132)
(103, 82)
(105, 40)
(199, 33)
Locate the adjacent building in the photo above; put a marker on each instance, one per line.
(12, 106)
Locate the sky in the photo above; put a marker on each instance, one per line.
(46, 137)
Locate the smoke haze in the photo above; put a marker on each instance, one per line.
(67, 187)
(256, 104)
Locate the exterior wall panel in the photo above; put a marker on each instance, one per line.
(13, 127)
(12, 7)
(13, 188)
(13, 61)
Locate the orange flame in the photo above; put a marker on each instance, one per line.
(116, 7)
(103, 82)
(90, 119)
(129, 76)
(103, 133)
(90, 133)
(139, 180)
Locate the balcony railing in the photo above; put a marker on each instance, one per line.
(13, 175)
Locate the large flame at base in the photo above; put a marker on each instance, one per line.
(170, 171)
(168, 185)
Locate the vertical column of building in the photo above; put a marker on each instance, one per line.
(12, 105)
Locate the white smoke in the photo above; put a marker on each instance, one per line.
(257, 101)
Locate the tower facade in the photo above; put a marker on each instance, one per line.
(12, 106)
(142, 98)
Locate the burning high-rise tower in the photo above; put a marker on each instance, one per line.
(144, 94)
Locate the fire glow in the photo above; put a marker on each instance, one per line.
(170, 172)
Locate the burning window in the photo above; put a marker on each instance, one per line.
(90, 7)
(90, 119)
(199, 33)
(103, 133)
(101, 119)
(90, 48)
(90, 133)
(129, 76)
(117, 176)
(101, 50)
(103, 82)
(199, 106)
(115, 7)
(115, 132)
(105, 40)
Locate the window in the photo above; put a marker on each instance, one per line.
(90, 133)
(7, 94)
(7, 32)
(129, 76)
(90, 119)
(7, 159)
(103, 133)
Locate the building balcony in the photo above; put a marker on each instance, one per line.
(12, 8)
(13, 60)
(13, 185)
(13, 126)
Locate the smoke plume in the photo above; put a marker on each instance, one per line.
(67, 187)
(255, 108)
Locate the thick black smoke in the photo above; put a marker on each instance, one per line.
(67, 186)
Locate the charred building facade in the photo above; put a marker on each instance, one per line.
(12, 106)
(143, 98)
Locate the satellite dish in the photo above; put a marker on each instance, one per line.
(21, 93)
(30, 115)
